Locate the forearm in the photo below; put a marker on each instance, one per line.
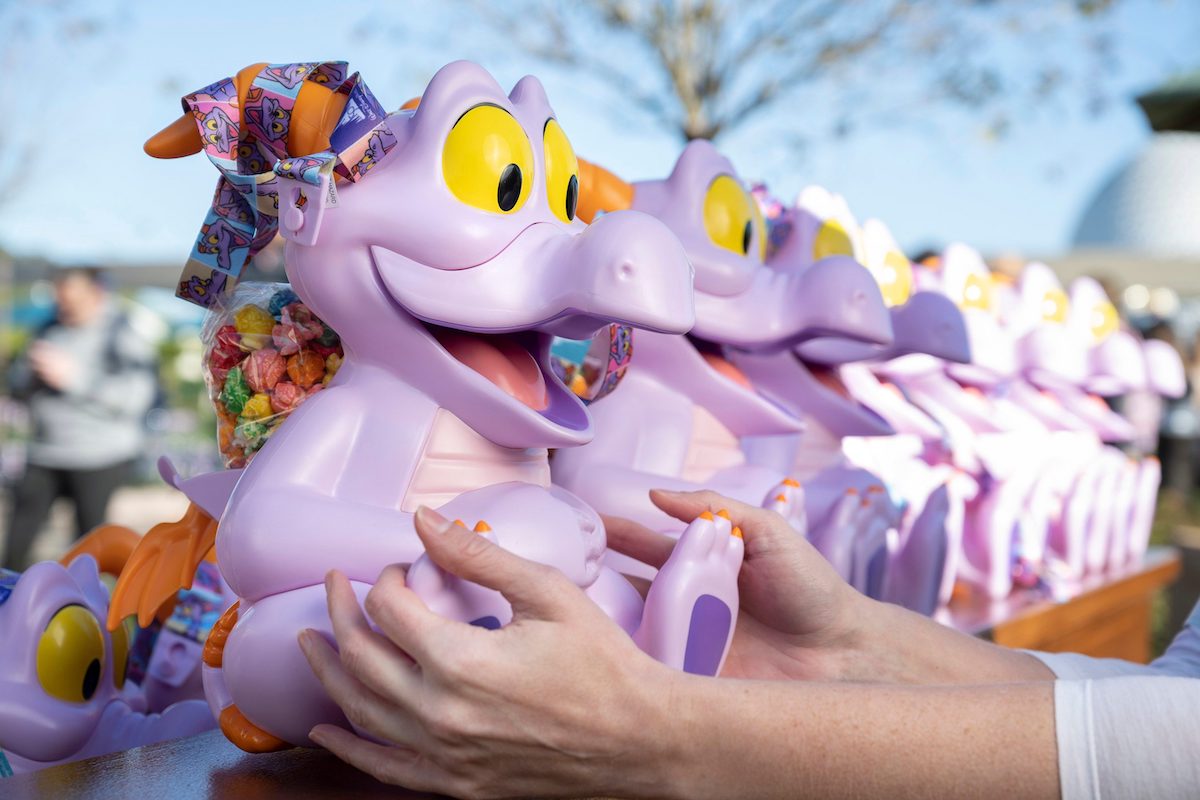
(895, 645)
(789, 740)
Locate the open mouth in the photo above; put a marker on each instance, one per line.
(829, 377)
(512, 362)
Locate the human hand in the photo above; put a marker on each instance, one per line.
(559, 700)
(54, 366)
(798, 619)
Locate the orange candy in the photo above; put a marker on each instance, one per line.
(306, 368)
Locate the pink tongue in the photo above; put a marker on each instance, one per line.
(503, 362)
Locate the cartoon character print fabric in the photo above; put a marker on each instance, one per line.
(247, 142)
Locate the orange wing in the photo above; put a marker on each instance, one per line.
(164, 562)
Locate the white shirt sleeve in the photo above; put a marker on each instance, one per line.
(1128, 737)
(1129, 730)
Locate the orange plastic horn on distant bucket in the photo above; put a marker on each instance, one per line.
(313, 118)
(600, 190)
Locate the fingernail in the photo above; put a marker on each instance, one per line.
(316, 735)
(432, 519)
(303, 639)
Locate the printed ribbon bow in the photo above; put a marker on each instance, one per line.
(248, 145)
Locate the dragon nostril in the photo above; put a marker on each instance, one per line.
(859, 297)
(625, 271)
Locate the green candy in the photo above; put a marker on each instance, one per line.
(328, 337)
(236, 391)
(254, 433)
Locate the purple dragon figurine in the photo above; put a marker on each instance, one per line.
(828, 382)
(446, 271)
(679, 416)
(63, 689)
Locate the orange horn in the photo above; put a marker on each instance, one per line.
(110, 545)
(316, 112)
(413, 103)
(600, 190)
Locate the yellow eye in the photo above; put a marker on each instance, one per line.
(1054, 306)
(70, 655)
(120, 647)
(832, 240)
(895, 278)
(487, 160)
(562, 172)
(731, 218)
(1104, 321)
(977, 293)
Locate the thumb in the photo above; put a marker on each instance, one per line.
(533, 590)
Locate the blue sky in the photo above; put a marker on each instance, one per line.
(83, 105)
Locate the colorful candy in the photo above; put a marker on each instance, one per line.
(266, 353)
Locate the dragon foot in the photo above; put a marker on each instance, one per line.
(692, 604)
(787, 500)
(455, 598)
(246, 735)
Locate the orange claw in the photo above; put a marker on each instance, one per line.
(163, 562)
(780, 498)
(792, 482)
(706, 515)
(482, 527)
(246, 735)
(723, 514)
(736, 532)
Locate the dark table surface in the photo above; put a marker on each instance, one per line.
(200, 767)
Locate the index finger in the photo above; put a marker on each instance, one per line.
(637, 541)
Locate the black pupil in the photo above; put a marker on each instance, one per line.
(91, 679)
(572, 196)
(509, 188)
(746, 234)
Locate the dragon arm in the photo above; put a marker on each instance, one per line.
(280, 538)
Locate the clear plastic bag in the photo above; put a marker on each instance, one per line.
(265, 353)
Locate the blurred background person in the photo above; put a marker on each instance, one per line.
(88, 379)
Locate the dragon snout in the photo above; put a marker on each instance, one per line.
(635, 272)
(843, 300)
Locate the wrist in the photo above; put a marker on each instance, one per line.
(652, 747)
(852, 638)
